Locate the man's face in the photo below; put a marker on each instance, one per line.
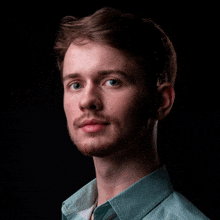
(103, 98)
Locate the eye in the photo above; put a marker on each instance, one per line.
(76, 86)
(113, 82)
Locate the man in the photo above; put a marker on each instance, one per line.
(118, 73)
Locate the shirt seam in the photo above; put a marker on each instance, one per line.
(180, 215)
(160, 202)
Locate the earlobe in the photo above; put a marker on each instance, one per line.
(167, 95)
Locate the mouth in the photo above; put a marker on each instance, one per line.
(92, 126)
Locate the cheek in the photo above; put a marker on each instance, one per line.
(132, 108)
(123, 106)
(69, 107)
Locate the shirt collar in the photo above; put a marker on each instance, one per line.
(133, 203)
(140, 198)
(82, 201)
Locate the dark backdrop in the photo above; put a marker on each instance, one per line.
(41, 167)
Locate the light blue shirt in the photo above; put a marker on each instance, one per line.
(150, 198)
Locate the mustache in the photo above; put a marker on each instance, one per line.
(109, 119)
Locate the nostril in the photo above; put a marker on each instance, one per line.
(92, 107)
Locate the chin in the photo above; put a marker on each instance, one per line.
(103, 145)
(96, 150)
(97, 145)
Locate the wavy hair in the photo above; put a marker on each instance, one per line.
(134, 36)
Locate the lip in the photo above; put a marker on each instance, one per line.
(93, 125)
(93, 122)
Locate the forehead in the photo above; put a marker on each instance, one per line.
(92, 57)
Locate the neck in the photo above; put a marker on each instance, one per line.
(118, 171)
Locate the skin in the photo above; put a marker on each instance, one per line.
(125, 150)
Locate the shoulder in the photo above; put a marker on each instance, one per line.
(81, 200)
(176, 207)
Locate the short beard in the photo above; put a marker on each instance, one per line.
(139, 142)
(102, 151)
(140, 137)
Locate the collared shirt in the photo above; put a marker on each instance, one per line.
(150, 198)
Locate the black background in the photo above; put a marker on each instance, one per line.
(41, 167)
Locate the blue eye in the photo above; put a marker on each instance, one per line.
(114, 82)
(76, 86)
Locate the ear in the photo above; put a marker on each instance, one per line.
(166, 94)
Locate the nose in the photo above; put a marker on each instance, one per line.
(91, 99)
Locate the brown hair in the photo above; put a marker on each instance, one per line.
(140, 38)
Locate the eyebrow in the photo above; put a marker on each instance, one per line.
(100, 74)
(70, 76)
